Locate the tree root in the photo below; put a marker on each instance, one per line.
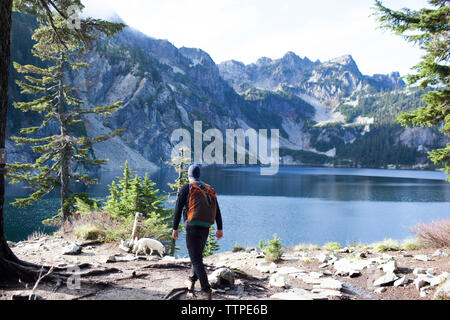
(169, 265)
(100, 272)
(13, 272)
(175, 293)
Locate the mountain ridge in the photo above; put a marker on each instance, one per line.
(165, 88)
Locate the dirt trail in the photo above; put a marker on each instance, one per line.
(110, 273)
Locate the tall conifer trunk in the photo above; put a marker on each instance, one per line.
(65, 150)
(7, 257)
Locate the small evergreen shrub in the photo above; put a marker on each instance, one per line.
(272, 249)
(332, 246)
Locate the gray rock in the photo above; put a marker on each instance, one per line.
(72, 249)
(222, 278)
(420, 283)
(322, 257)
(401, 282)
(437, 280)
(422, 257)
(329, 283)
(386, 280)
(11, 244)
(439, 252)
(390, 266)
(302, 294)
(380, 290)
(443, 291)
(266, 268)
(277, 280)
(361, 254)
(111, 259)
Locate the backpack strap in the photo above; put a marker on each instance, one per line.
(186, 206)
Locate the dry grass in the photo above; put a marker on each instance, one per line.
(90, 226)
(36, 235)
(386, 245)
(306, 247)
(434, 234)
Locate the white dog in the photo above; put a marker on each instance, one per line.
(141, 246)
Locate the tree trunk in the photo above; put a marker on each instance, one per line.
(7, 257)
(65, 151)
(65, 181)
(11, 268)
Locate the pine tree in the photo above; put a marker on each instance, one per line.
(60, 155)
(211, 245)
(179, 163)
(428, 28)
(131, 195)
(12, 268)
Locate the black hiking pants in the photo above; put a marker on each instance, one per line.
(196, 237)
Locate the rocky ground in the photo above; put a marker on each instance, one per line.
(104, 271)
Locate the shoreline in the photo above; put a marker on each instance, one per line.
(309, 273)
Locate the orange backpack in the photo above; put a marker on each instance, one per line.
(202, 205)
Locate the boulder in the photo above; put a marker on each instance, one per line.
(266, 268)
(437, 280)
(439, 253)
(386, 280)
(277, 280)
(443, 291)
(221, 278)
(389, 267)
(422, 257)
(401, 282)
(302, 294)
(420, 282)
(346, 266)
(111, 259)
(329, 283)
(322, 257)
(72, 249)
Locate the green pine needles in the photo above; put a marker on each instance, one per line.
(273, 249)
(129, 195)
(429, 29)
(61, 156)
(211, 245)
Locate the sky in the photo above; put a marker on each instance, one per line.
(245, 30)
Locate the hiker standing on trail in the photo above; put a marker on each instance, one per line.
(198, 202)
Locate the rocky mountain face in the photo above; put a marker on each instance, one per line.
(164, 88)
(328, 82)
